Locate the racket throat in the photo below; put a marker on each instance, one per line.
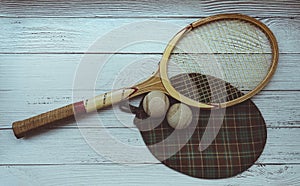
(153, 83)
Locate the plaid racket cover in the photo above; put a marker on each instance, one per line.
(237, 145)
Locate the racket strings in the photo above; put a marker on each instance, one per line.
(234, 51)
(205, 88)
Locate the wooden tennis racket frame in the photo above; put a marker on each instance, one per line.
(159, 81)
(163, 64)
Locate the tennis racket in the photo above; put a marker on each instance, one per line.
(233, 47)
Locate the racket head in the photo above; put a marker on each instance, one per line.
(237, 146)
(244, 51)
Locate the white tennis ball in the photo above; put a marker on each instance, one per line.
(179, 116)
(156, 104)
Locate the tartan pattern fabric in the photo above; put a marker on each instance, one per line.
(238, 144)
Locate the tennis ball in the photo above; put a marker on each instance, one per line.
(156, 104)
(179, 116)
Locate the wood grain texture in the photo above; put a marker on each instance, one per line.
(42, 45)
(145, 8)
(279, 108)
(69, 146)
(102, 174)
(65, 35)
(44, 71)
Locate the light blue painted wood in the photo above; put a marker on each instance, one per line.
(37, 66)
(117, 174)
(44, 71)
(146, 8)
(69, 35)
(69, 146)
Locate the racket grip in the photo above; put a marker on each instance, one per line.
(21, 128)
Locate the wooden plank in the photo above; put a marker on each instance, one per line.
(89, 8)
(279, 108)
(58, 71)
(93, 145)
(275, 112)
(139, 175)
(65, 35)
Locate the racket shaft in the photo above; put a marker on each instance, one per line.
(21, 128)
